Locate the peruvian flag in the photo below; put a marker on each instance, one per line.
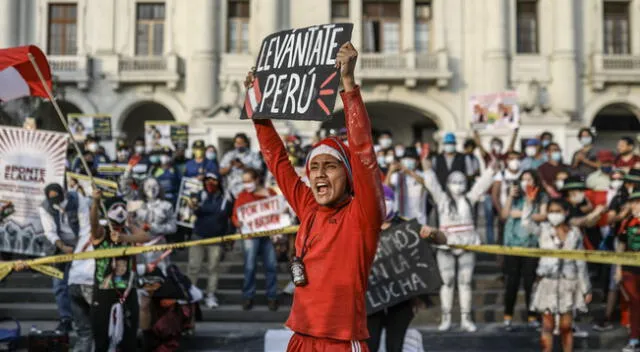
(18, 78)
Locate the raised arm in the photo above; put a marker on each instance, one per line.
(432, 185)
(482, 185)
(514, 138)
(97, 233)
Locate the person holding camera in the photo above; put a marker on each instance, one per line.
(236, 161)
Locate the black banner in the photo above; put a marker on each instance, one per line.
(296, 77)
(180, 135)
(405, 267)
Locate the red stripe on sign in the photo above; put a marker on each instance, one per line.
(256, 89)
(326, 92)
(326, 81)
(324, 107)
(247, 106)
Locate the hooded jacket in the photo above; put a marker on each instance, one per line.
(339, 242)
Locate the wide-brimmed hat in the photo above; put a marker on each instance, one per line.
(574, 183)
(633, 176)
(633, 196)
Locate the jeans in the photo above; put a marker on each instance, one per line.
(80, 296)
(517, 268)
(252, 248)
(61, 291)
(395, 320)
(488, 216)
(196, 261)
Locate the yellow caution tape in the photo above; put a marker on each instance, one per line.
(606, 257)
(48, 270)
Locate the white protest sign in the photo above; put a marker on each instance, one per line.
(495, 111)
(264, 215)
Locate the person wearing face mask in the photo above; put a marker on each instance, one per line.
(448, 161)
(65, 218)
(551, 168)
(92, 156)
(385, 140)
(213, 212)
(455, 212)
(564, 285)
(235, 161)
(472, 164)
(123, 154)
(254, 191)
(168, 177)
(600, 180)
(626, 158)
(396, 319)
(546, 138)
(500, 192)
(533, 155)
(399, 150)
(526, 202)
(406, 181)
(584, 160)
(139, 156)
(582, 213)
(200, 165)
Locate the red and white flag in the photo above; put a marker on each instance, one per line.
(18, 77)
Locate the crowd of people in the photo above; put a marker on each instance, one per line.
(529, 198)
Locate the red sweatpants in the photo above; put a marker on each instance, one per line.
(304, 343)
(631, 284)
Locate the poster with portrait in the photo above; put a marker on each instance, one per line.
(97, 125)
(190, 190)
(29, 161)
(161, 134)
(82, 184)
(495, 111)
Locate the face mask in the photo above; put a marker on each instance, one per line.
(211, 187)
(556, 156)
(381, 160)
(399, 152)
(449, 148)
(513, 164)
(409, 164)
(165, 159)
(577, 198)
(123, 154)
(559, 184)
(154, 159)
(586, 140)
(249, 187)
(545, 143)
(198, 153)
(456, 188)
(92, 147)
(531, 151)
(497, 148)
(385, 143)
(616, 184)
(389, 159)
(139, 149)
(151, 190)
(606, 169)
(523, 185)
(210, 155)
(555, 219)
(241, 149)
(57, 200)
(390, 211)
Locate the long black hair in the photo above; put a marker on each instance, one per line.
(536, 183)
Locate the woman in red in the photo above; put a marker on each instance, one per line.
(341, 212)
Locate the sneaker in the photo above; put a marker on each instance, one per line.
(533, 323)
(65, 326)
(631, 348)
(247, 304)
(577, 332)
(211, 301)
(289, 289)
(603, 326)
(466, 324)
(445, 324)
(272, 304)
(507, 325)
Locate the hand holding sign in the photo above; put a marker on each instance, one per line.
(346, 63)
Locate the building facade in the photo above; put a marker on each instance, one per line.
(573, 63)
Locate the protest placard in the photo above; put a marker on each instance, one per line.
(263, 215)
(82, 185)
(495, 111)
(113, 172)
(29, 161)
(160, 134)
(98, 125)
(296, 77)
(190, 189)
(404, 267)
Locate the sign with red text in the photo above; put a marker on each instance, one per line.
(264, 215)
(29, 161)
(295, 75)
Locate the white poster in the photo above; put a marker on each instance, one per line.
(189, 194)
(495, 111)
(264, 215)
(29, 161)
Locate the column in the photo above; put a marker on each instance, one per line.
(103, 20)
(264, 21)
(9, 14)
(634, 23)
(439, 25)
(408, 19)
(495, 54)
(201, 83)
(563, 62)
(355, 15)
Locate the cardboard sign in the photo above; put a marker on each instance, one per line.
(161, 134)
(29, 161)
(98, 126)
(82, 184)
(404, 267)
(264, 215)
(190, 190)
(495, 111)
(296, 77)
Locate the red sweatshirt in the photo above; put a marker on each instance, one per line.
(342, 240)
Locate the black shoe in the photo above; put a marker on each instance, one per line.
(65, 326)
(273, 305)
(247, 304)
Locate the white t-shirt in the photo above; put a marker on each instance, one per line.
(506, 179)
(415, 197)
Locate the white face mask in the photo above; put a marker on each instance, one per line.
(577, 198)
(139, 149)
(531, 151)
(555, 219)
(385, 143)
(524, 184)
(92, 147)
(164, 159)
(399, 152)
(513, 164)
(586, 140)
(381, 160)
(559, 184)
(616, 184)
(497, 148)
(250, 187)
(210, 155)
(456, 188)
(449, 148)
(409, 164)
(389, 159)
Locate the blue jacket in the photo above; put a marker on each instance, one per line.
(78, 168)
(169, 181)
(194, 169)
(213, 216)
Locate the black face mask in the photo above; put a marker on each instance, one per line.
(58, 198)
